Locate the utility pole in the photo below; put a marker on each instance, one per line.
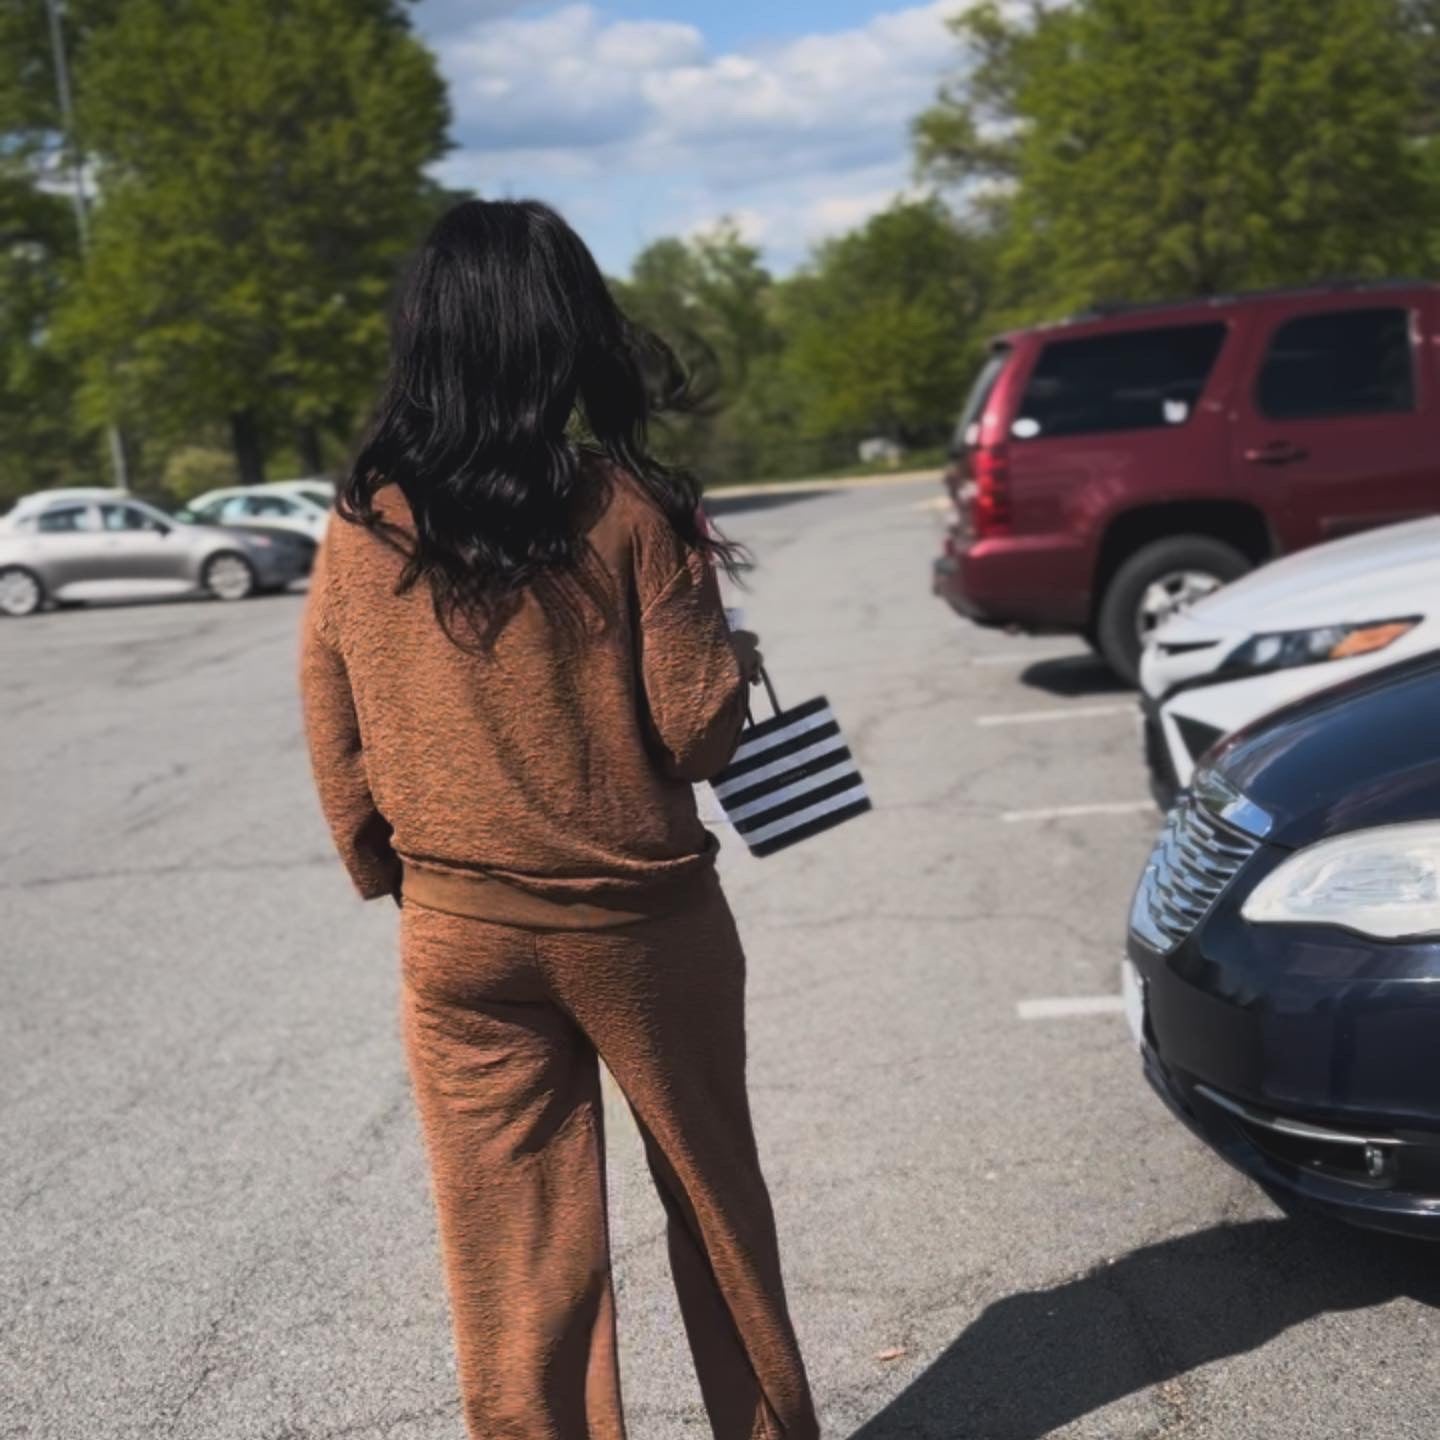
(118, 463)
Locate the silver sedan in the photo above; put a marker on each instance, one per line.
(80, 547)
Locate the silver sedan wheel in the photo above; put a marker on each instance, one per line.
(20, 593)
(1168, 595)
(229, 577)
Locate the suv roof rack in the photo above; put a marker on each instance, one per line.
(1105, 309)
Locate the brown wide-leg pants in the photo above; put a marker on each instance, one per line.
(503, 1026)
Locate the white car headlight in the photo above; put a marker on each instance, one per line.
(1284, 648)
(1383, 882)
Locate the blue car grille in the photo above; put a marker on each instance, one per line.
(1195, 858)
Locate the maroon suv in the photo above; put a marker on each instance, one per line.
(1112, 468)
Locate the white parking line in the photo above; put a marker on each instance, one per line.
(939, 502)
(1062, 1007)
(1069, 712)
(1070, 812)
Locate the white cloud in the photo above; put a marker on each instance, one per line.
(796, 135)
(567, 79)
(646, 45)
(849, 84)
(792, 218)
(573, 78)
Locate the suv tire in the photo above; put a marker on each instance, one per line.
(1152, 584)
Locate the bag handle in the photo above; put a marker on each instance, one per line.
(769, 691)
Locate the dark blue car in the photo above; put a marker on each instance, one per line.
(1285, 953)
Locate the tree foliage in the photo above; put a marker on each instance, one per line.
(710, 294)
(1156, 147)
(29, 103)
(883, 329)
(39, 442)
(712, 300)
(876, 336)
(261, 170)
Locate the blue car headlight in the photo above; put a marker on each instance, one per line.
(1281, 649)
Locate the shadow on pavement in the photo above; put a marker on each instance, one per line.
(720, 505)
(1037, 1361)
(1074, 675)
(155, 602)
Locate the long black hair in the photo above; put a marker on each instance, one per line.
(514, 379)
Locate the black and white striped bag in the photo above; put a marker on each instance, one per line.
(792, 776)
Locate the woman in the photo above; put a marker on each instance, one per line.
(515, 665)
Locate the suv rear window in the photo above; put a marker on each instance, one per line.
(1342, 362)
(967, 432)
(1136, 380)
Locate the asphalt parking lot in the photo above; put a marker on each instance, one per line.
(218, 1226)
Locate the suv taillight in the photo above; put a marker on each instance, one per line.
(990, 466)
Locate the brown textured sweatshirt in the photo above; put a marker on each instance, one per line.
(562, 767)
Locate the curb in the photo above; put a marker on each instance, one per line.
(847, 482)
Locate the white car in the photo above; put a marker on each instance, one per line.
(315, 488)
(1284, 631)
(300, 506)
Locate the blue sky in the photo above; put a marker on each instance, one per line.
(644, 118)
(749, 22)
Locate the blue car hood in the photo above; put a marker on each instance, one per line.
(1362, 754)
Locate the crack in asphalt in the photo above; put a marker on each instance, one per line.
(371, 1425)
(218, 867)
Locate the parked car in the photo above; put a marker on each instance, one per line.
(1284, 953)
(880, 450)
(32, 504)
(267, 507)
(314, 488)
(1111, 470)
(1292, 628)
(69, 548)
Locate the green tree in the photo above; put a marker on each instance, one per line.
(883, 330)
(29, 108)
(708, 295)
(40, 443)
(712, 300)
(1422, 24)
(1153, 147)
(261, 172)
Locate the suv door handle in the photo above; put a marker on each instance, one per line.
(1278, 452)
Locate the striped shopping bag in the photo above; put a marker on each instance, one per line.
(792, 777)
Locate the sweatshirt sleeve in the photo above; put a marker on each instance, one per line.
(692, 679)
(332, 731)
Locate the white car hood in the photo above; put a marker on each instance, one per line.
(1380, 575)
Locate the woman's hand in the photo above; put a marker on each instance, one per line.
(747, 652)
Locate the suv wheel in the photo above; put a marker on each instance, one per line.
(229, 576)
(1156, 582)
(21, 592)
